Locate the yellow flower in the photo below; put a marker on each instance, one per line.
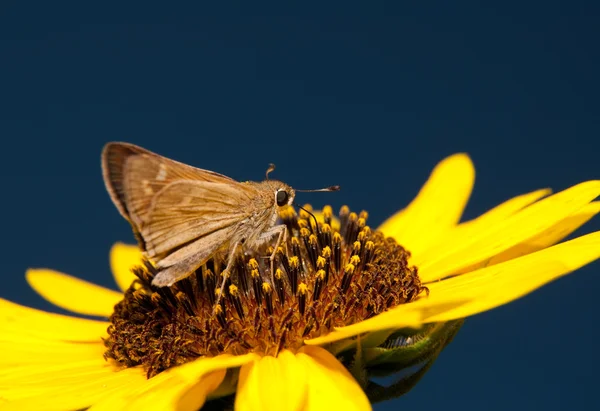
(57, 362)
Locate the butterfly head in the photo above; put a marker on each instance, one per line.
(283, 194)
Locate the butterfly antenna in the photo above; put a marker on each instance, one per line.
(269, 170)
(326, 189)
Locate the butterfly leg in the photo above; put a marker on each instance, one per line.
(281, 232)
(227, 272)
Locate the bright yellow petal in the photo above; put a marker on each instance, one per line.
(272, 383)
(173, 389)
(122, 398)
(18, 349)
(373, 324)
(69, 386)
(551, 236)
(15, 318)
(330, 385)
(467, 230)
(499, 284)
(438, 206)
(73, 294)
(403, 316)
(516, 229)
(122, 258)
(52, 374)
(505, 210)
(171, 393)
(313, 379)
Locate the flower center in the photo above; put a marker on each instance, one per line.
(325, 277)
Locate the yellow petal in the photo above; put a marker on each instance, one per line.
(72, 293)
(273, 383)
(120, 399)
(438, 206)
(551, 236)
(53, 374)
(122, 258)
(313, 379)
(173, 389)
(171, 393)
(502, 283)
(372, 324)
(15, 318)
(403, 316)
(505, 209)
(330, 385)
(19, 349)
(516, 229)
(69, 386)
(469, 229)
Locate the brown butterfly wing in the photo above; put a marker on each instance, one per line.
(184, 215)
(133, 175)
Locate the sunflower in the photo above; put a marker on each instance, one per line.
(346, 303)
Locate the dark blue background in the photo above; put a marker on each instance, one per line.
(368, 95)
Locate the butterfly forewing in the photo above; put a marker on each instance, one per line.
(133, 176)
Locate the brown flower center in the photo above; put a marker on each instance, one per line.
(324, 278)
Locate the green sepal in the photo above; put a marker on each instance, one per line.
(405, 348)
(358, 366)
(399, 354)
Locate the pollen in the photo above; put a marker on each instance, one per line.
(324, 278)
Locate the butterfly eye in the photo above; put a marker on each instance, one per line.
(281, 197)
